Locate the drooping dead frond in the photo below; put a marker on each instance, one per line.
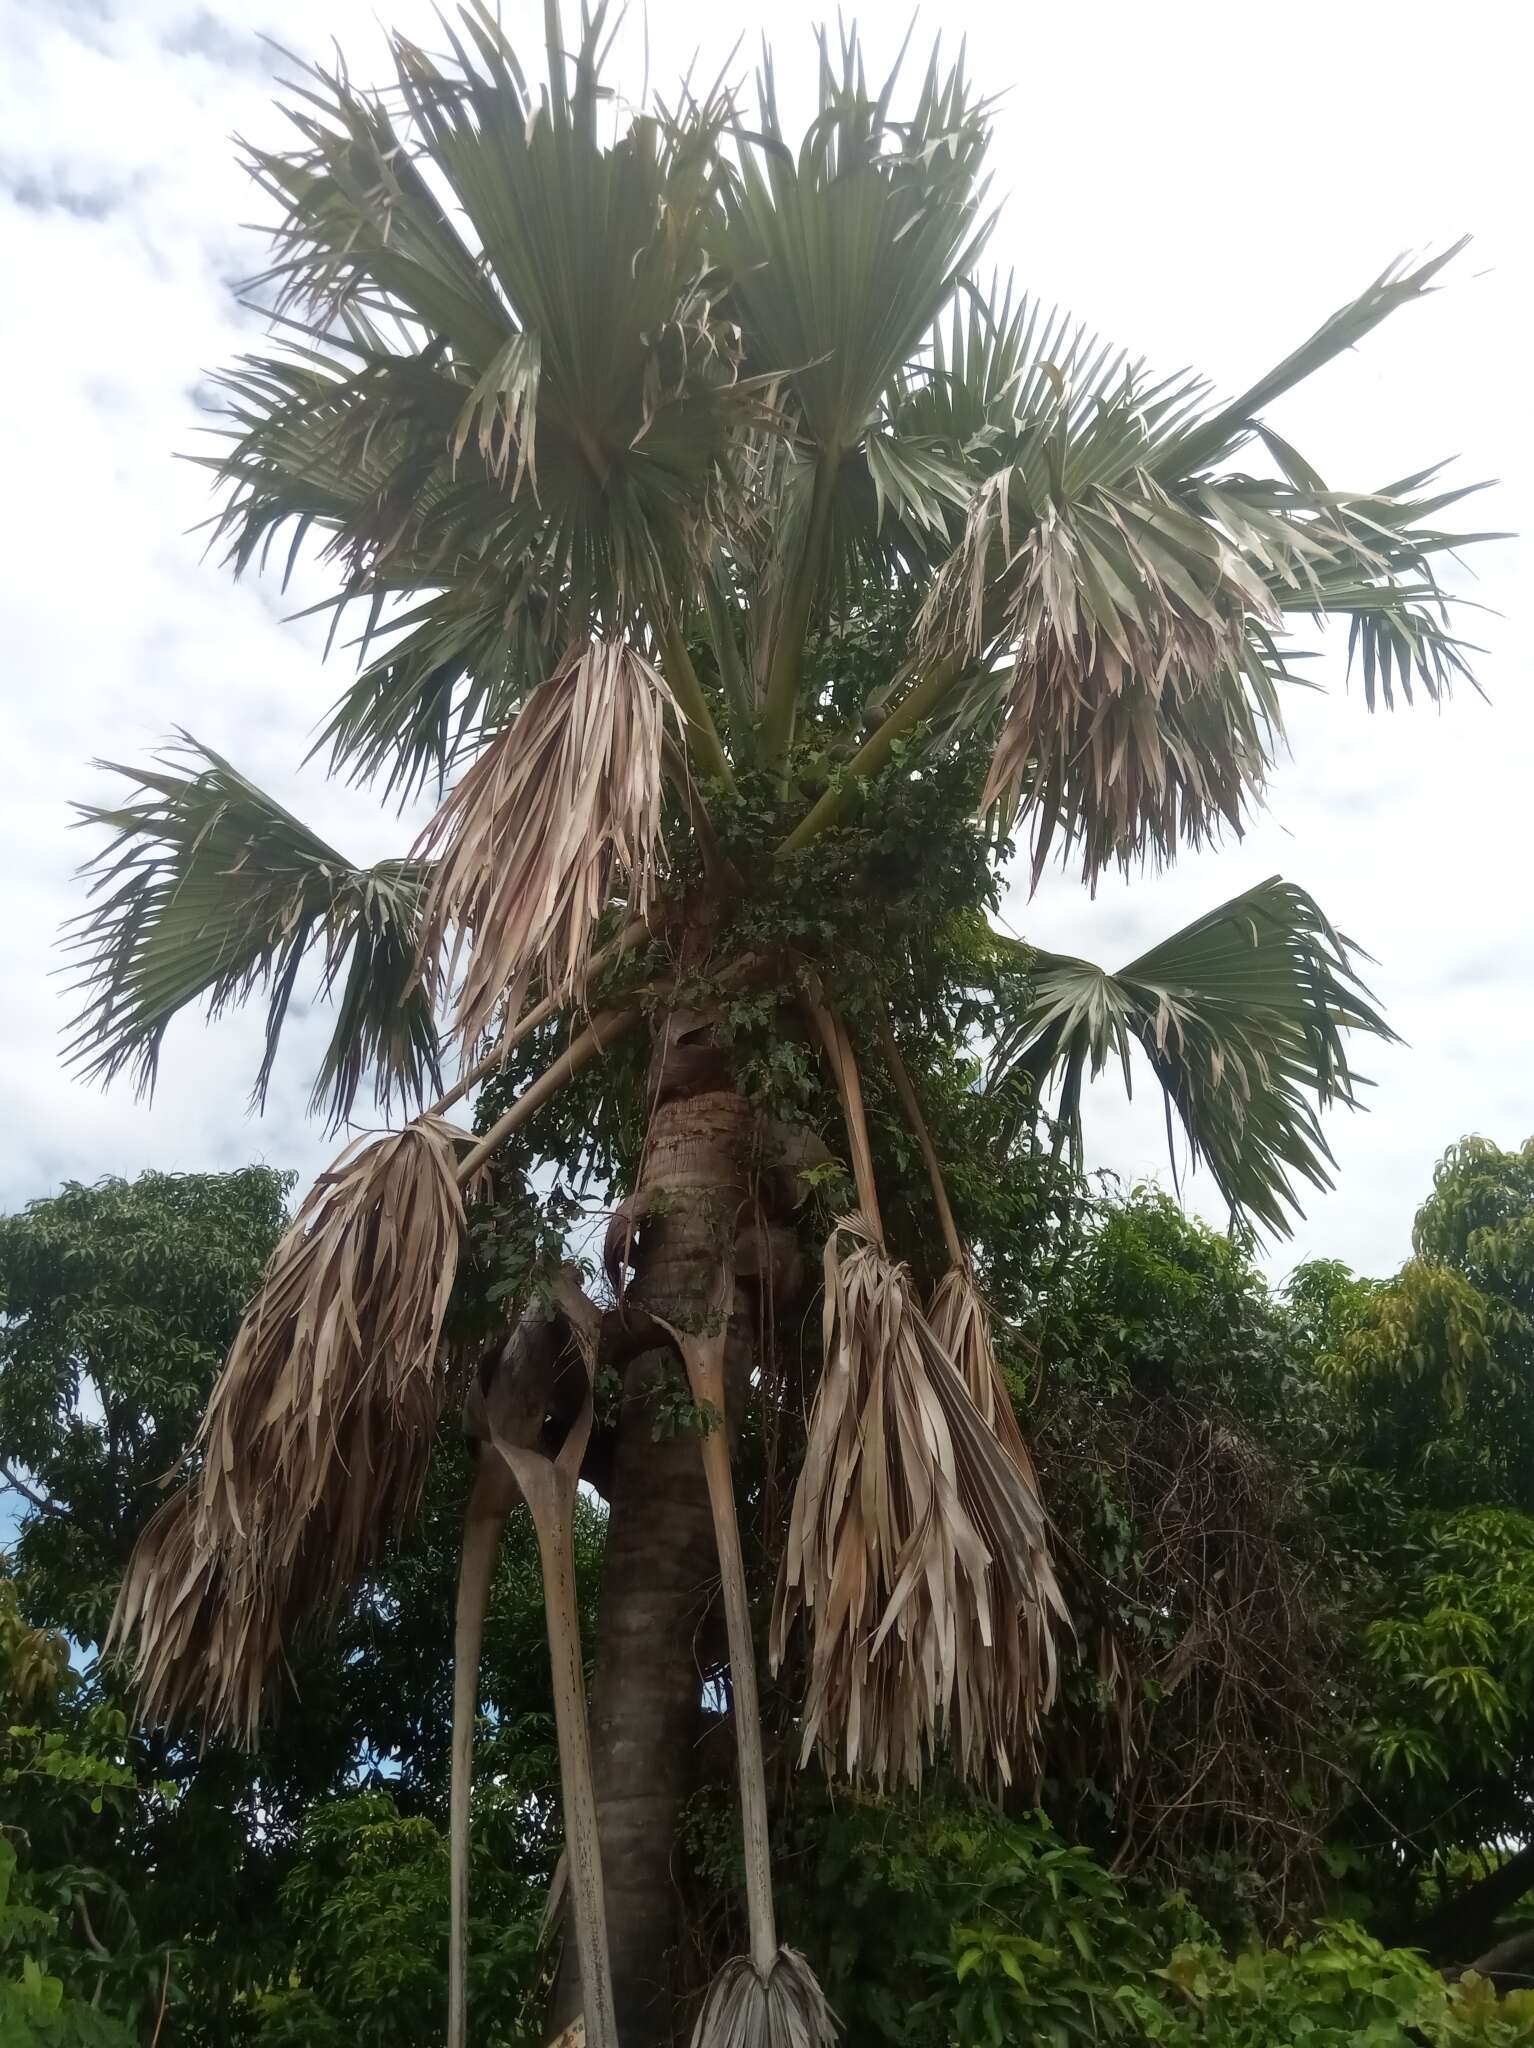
(784, 2009)
(911, 1544)
(1141, 709)
(532, 840)
(320, 1426)
(202, 1649)
(961, 1322)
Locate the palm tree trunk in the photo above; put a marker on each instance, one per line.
(661, 1567)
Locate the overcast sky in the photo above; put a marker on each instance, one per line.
(1201, 183)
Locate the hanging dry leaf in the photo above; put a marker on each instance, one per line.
(203, 1649)
(531, 843)
(317, 1435)
(911, 1545)
(324, 1414)
(961, 1322)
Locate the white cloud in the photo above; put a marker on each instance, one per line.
(1196, 180)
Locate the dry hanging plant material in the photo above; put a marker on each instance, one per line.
(1139, 714)
(961, 1322)
(317, 1435)
(320, 1427)
(530, 844)
(203, 1649)
(911, 1545)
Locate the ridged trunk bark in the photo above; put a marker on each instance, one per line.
(661, 1572)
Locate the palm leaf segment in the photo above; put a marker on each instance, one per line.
(210, 890)
(834, 261)
(532, 425)
(1126, 598)
(1241, 1015)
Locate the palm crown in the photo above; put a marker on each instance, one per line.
(607, 423)
(692, 390)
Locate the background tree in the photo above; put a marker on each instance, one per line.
(702, 499)
(172, 1867)
(1156, 1368)
(1433, 1369)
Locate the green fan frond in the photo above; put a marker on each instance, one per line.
(839, 258)
(521, 394)
(1146, 606)
(1218, 434)
(209, 891)
(1241, 1015)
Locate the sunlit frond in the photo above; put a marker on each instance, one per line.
(516, 444)
(1241, 1016)
(210, 891)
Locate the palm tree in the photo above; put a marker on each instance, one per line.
(632, 433)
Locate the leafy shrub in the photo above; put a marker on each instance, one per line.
(937, 1927)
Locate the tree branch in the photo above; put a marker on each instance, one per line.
(598, 1034)
(1509, 1965)
(688, 691)
(905, 1089)
(872, 755)
(43, 1505)
(1467, 1919)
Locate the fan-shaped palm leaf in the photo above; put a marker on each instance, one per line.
(836, 260)
(1241, 1015)
(211, 890)
(468, 411)
(1143, 600)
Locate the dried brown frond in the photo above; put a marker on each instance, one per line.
(531, 843)
(1138, 715)
(784, 2009)
(202, 1651)
(961, 1322)
(912, 1544)
(324, 1414)
(317, 1435)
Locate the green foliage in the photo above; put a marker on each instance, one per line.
(1182, 1446)
(1440, 1362)
(208, 891)
(942, 1927)
(363, 1906)
(119, 1301)
(70, 1947)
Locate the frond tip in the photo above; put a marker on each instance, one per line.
(533, 840)
(961, 1323)
(913, 1545)
(204, 1646)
